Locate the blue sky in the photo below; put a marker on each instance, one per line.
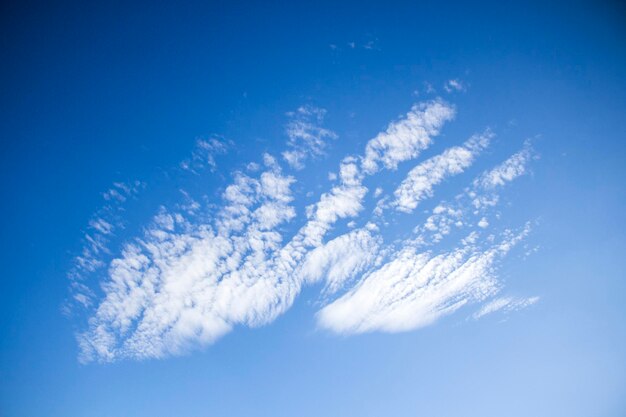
(325, 209)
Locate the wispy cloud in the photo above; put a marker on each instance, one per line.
(204, 154)
(510, 169)
(368, 44)
(454, 85)
(188, 279)
(307, 137)
(506, 304)
(407, 137)
(122, 191)
(416, 288)
(421, 180)
(472, 205)
(341, 259)
(95, 242)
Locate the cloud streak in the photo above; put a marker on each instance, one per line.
(506, 304)
(416, 288)
(421, 180)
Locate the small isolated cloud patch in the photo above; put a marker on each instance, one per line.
(454, 85)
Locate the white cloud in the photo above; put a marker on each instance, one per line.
(306, 137)
(454, 85)
(429, 88)
(369, 45)
(340, 259)
(483, 223)
(507, 171)
(475, 201)
(122, 191)
(420, 180)
(253, 167)
(188, 279)
(101, 225)
(507, 304)
(415, 288)
(204, 154)
(406, 138)
(184, 285)
(95, 245)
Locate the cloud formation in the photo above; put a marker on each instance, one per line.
(190, 279)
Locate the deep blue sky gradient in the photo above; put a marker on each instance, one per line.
(98, 93)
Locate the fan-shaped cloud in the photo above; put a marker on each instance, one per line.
(187, 279)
